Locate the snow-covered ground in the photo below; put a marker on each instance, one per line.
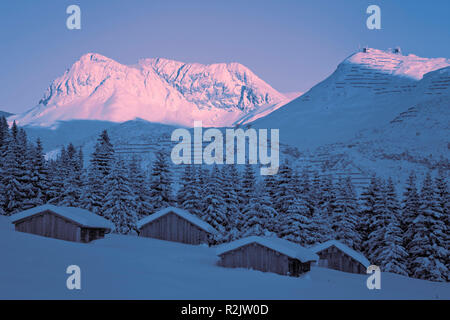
(128, 267)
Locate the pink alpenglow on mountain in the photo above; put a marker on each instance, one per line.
(156, 90)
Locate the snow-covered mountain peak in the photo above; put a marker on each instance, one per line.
(156, 90)
(394, 63)
(218, 85)
(96, 57)
(366, 91)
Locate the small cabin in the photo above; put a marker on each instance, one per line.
(267, 254)
(64, 223)
(336, 255)
(174, 224)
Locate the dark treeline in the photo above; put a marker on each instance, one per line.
(407, 235)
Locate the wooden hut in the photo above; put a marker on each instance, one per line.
(336, 255)
(267, 255)
(64, 223)
(173, 224)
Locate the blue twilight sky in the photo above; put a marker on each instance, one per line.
(291, 44)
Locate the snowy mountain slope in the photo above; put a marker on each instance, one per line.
(293, 95)
(64, 132)
(157, 90)
(372, 115)
(128, 267)
(366, 90)
(406, 143)
(416, 139)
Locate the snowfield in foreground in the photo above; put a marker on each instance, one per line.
(127, 267)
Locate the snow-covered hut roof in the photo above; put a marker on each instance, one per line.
(181, 213)
(285, 247)
(83, 217)
(347, 250)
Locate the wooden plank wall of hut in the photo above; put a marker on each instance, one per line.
(255, 256)
(171, 227)
(338, 260)
(50, 225)
(90, 234)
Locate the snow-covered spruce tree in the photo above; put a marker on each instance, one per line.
(80, 159)
(320, 218)
(322, 199)
(345, 215)
(185, 180)
(100, 165)
(12, 188)
(327, 203)
(93, 191)
(4, 132)
(202, 173)
(390, 253)
(293, 221)
(270, 186)
(442, 196)
(246, 195)
(296, 225)
(102, 159)
(259, 216)
(317, 226)
(59, 173)
(268, 192)
(18, 191)
(315, 193)
(410, 205)
(161, 183)
(31, 196)
(118, 204)
(38, 173)
(284, 191)
(367, 201)
(4, 141)
(305, 189)
(140, 189)
(443, 202)
(72, 178)
(4, 136)
(230, 192)
(377, 223)
(427, 238)
(321, 227)
(248, 186)
(215, 211)
(189, 195)
(296, 182)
